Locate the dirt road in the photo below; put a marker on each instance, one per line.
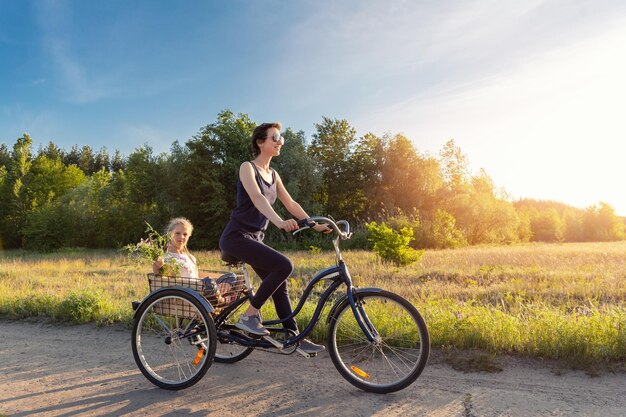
(83, 370)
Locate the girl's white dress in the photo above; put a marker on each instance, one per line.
(186, 264)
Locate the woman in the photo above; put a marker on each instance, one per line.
(257, 189)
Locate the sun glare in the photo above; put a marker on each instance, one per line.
(551, 128)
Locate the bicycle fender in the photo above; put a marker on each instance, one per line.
(344, 299)
(203, 301)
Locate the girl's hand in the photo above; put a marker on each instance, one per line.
(289, 225)
(156, 266)
(322, 228)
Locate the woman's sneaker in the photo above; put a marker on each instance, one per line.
(310, 347)
(252, 324)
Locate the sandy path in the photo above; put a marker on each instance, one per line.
(82, 370)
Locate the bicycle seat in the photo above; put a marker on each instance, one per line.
(230, 260)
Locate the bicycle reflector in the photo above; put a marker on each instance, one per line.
(198, 356)
(359, 372)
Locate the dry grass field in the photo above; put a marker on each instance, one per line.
(560, 301)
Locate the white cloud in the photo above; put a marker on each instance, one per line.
(79, 86)
(139, 134)
(78, 82)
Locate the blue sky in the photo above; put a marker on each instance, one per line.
(531, 91)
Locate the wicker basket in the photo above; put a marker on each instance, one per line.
(201, 286)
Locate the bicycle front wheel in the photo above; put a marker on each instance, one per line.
(173, 339)
(397, 356)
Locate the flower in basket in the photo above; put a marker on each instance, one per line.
(151, 248)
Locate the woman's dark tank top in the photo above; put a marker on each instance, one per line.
(245, 216)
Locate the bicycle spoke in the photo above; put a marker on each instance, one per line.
(179, 368)
(395, 368)
(161, 322)
(355, 355)
(402, 353)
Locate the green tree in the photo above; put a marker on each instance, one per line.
(600, 223)
(122, 221)
(145, 186)
(52, 152)
(365, 195)
(481, 214)
(3, 204)
(144, 175)
(331, 149)
(573, 221)
(170, 197)
(72, 157)
(80, 218)
(444, 233)
(3, 175)
(102, 160)
(409, 180)
(547, 226)
(14, 198)
(49, 179)
(210, 175)
(5, 156)
(297, 170)
(524, 231)
(454, 165)
(117, 163)
(51, 227)
(5, 160)
(86, 160)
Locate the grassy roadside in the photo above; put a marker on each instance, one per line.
(563, 301)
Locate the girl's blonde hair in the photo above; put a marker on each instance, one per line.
(175, 222)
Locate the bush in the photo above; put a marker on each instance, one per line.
(49, 228)
(441, 232)
(393, 246)
(80, 307)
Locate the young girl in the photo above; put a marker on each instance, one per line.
(178, 232)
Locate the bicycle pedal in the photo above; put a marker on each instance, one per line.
(274, 342)
(305, 354)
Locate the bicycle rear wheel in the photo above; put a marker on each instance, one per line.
(173, 339)
(396, 357)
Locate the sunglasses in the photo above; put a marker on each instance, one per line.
(277, 138)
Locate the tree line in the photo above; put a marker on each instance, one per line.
(53, 198)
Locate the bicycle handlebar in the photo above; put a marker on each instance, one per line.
(312, 221)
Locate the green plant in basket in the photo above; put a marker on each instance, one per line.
(151, 248)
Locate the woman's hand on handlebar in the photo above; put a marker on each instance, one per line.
(288, 225)
(322, 228)
(318, 227)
